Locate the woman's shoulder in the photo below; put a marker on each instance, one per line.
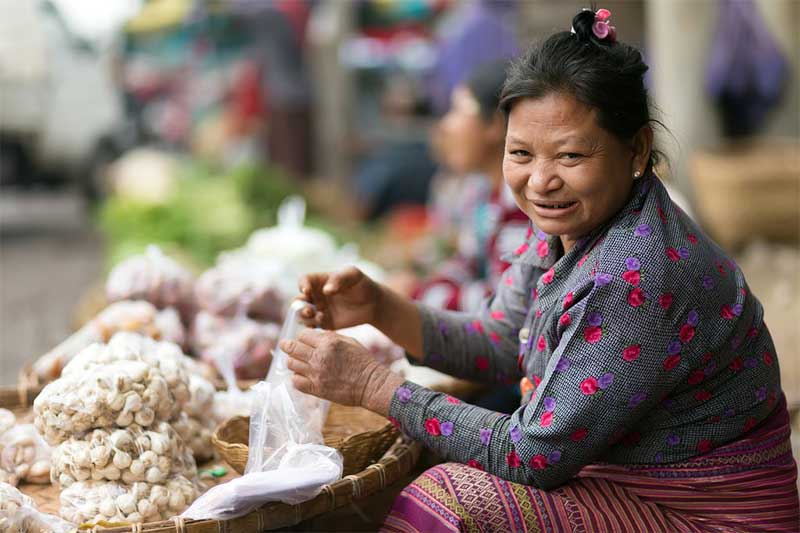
(656, 247)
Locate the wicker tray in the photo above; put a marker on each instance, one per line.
(360, 435)
(391, 465)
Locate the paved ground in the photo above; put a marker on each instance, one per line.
(48, 257)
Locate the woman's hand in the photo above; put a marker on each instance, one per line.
(339, 369)
(342, 299)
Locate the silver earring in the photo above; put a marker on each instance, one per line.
(637, 175)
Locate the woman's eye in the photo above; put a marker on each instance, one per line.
(571, 155)
(520, 153)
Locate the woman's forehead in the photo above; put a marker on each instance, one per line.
(554, 116)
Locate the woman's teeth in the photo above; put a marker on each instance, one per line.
(555, 206)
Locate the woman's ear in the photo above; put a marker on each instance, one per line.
(642, 146)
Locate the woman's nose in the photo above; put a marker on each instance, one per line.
(543, 177)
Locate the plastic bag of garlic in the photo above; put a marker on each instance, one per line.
(94, 501)
(117, 394)
(155, 278)
(130, 455)
(24, 456)
(139, 317)
(18, 514)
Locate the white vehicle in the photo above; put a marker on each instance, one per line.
(60, 110)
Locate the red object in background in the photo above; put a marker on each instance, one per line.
(408, 222)
(246, 95)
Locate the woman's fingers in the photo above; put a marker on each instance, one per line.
(297, 349)
(341, 280)
(303, 384)
(299, 366)
(311, 338)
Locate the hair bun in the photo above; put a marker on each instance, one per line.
(582, 25)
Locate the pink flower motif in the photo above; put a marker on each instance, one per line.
(726, 312)
(477, 326)
(538, 462)
(686, 334)
(702, 396)
(547, 277)
(768, 358)
(509, 281)
(538, 313)
(497, 315)
(542, 249)
(589, 386)
(482, 363)
(749, 424)
(494, 337)
(536, 380)
(513, 459)
(636, 297)
(736, 365)
(582, 260)
(632, 276)
(692, 238)
(592, 334)
(697, 376)
(600, 29)
(395, 422)
(565, 320)
(568, 300)
(522, 249)
(602, 14)
(631, 353)
(704, 446)
(661, 215)
(433, 427)
(579, 434)
(475, 464)
(547, 419)
(541, 344)
(454, 401)
(671, 362)
(665, 300)
(673, 254)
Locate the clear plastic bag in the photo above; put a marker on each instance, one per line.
(155, 278)
(242, 286)
(18, 514)
(166, 357)
(379, 345)
(139, 317)
(248, 343)
(7, 420)
(128, 455)
(117, 394)
(24, 455)
(287, 461)
(93, 501)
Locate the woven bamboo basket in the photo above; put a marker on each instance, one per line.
(361, 437)
(391, 465)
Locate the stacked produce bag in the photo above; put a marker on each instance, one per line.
(110, 419)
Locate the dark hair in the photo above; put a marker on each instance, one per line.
(486, 83)
(604, 74)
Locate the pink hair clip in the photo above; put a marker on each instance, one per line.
(601, 27)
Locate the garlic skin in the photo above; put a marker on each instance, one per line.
(24, 456)
(129, 316)
(114, 501)
(18, 514)
(123, 454)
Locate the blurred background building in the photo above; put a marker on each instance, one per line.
(186, 122)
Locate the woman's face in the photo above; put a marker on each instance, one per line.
(468, 141)
(567, 173)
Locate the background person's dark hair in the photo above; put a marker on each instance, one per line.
(605, 75)
(486, 83)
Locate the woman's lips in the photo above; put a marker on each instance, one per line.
(554, 209)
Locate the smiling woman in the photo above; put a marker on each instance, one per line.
(651, 396)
